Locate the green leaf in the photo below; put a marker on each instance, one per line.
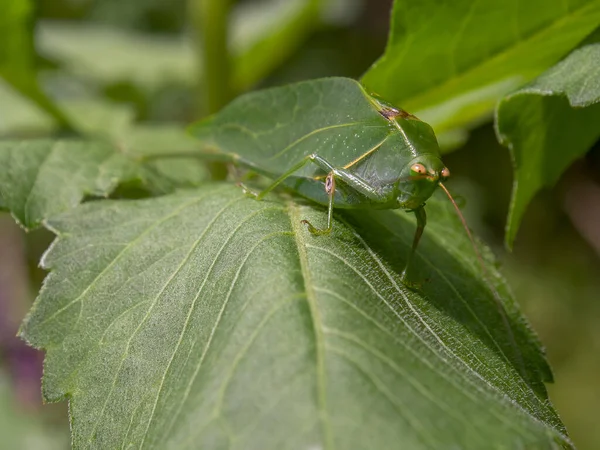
(91, 117)
(161, 175)
(205, 318)
(20, 116)
(160, 16)
(107, 55)
(263, 35)
(449, 62)
(17, 55)
(266, 130)
(40, 178)
(290, 24)
(549, 124)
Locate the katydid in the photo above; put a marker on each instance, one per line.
(333, 143)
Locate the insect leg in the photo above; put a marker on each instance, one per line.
(330, 189)
(278, 181)
(348, 178)
(421, 221)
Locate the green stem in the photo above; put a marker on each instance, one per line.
(210, 21)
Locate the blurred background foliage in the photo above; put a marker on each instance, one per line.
(108, 63)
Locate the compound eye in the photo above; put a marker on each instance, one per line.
(445, 173)
(418, 168)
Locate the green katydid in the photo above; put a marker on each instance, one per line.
(333, 143)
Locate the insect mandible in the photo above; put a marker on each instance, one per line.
(333, 143)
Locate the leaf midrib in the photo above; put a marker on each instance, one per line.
(299, 232)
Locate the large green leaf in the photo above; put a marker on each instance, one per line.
(17, 55)
(205, 319)
(449, 62)
(549, 124)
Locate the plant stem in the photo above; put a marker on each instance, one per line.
(210, 21)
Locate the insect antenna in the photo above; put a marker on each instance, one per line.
(466, 227)
(488, 280)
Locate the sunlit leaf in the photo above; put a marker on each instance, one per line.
(548, 124)
(450, 62)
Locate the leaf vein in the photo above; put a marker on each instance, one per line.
(198, 366)
(193, 305)
(168, 282)
(120, 255)
(394, 401)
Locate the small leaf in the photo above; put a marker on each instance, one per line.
(209, 318)
(449, 62)
(549, 124)
(41, 178)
